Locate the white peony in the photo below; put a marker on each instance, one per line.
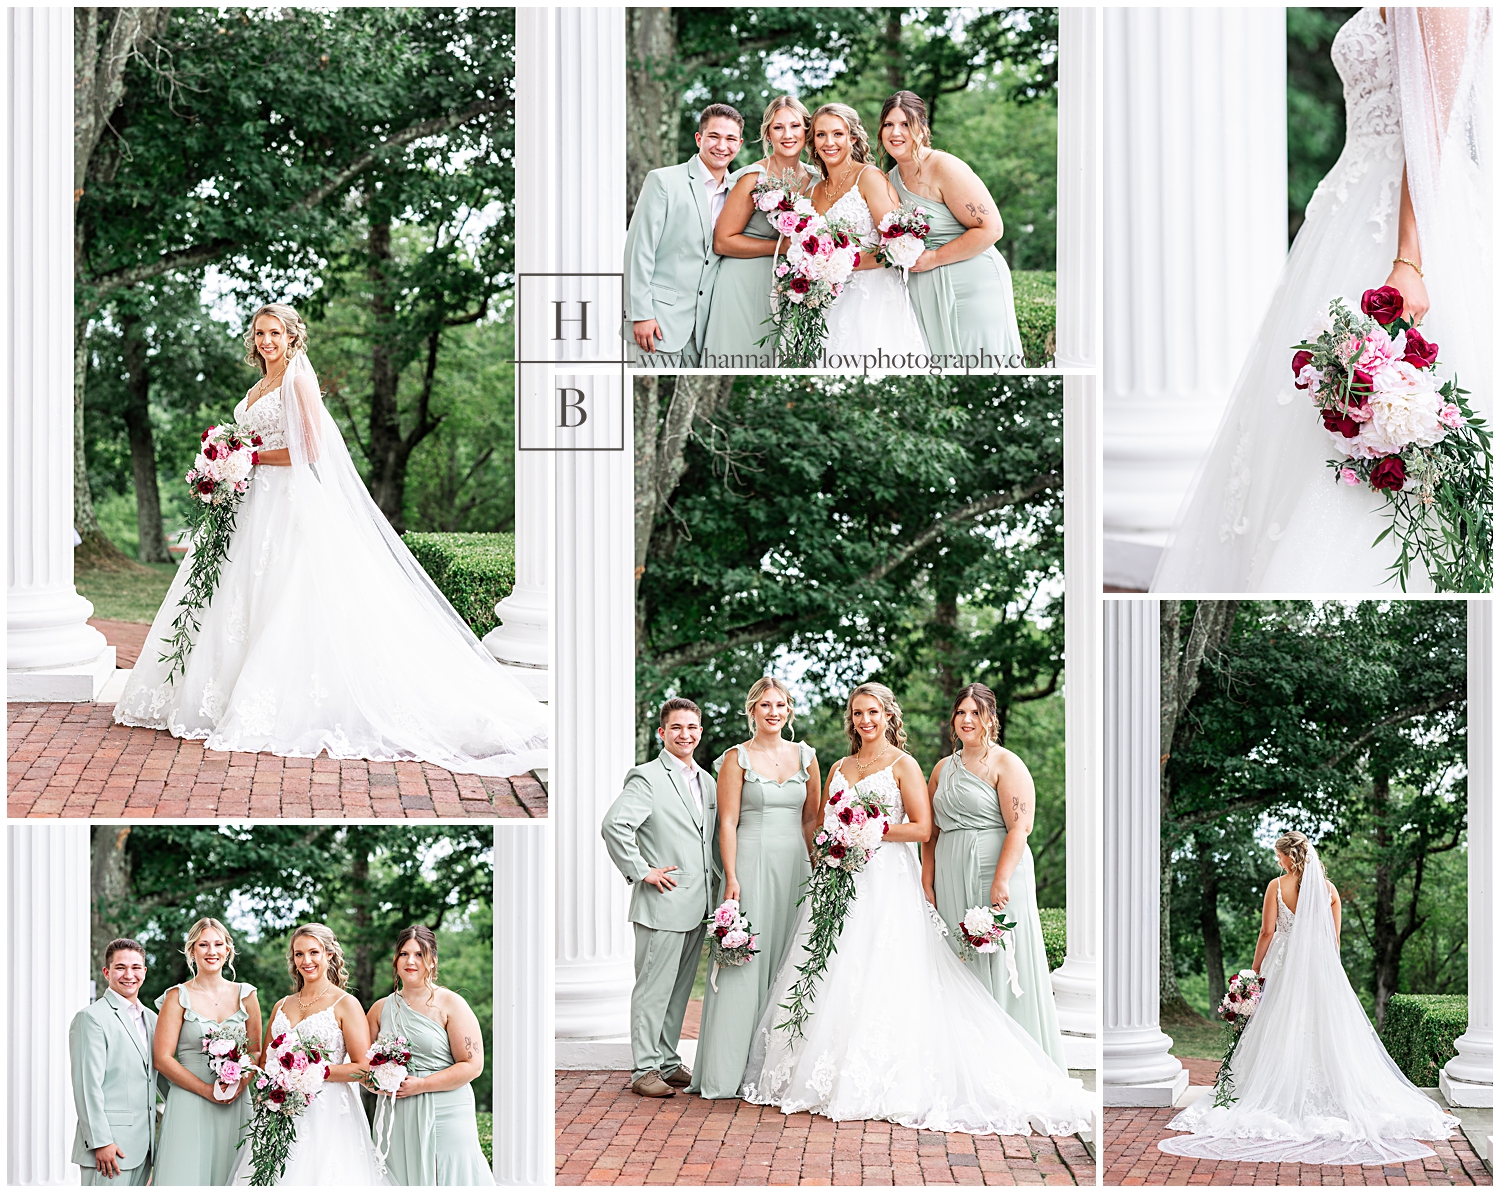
(736, 939)
(1404, 410)
(978, 921)
(905, 250)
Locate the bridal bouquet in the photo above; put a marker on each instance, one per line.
(227, 1047)
(854, 827)
(821, 257)
(292, 1078)
(1397, 429)
(389, 1060)
(903, 232)
(1238, 1005)
(219, 480)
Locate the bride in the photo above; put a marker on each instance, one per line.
(900, 1029)
(1408, 201)
(333, 1145)
(874, 313)
(1312, 1081)
(324, 632)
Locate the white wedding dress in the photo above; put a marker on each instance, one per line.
(900, 1029)
(333, 1145)
(324, 633)
(1264, 513)
(874, 314)
(1312, 1081)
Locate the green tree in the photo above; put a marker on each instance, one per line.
(1314, 104)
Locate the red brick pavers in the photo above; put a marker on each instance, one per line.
(73, 760)
(607, 1135)
(1131, 1157)
(127, 637)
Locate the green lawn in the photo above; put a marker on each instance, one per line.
(1196, 1037)
(131, 593)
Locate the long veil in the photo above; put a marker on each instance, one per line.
(1313, 1082)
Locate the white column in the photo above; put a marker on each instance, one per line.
(1195, 236)
(595, 659)
(52, 653)
(48, 900)
(1079, 225)
(523, 1005)
(1138, 1068)
(1469, 1078)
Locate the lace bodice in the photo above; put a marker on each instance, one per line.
(1284, 914)
(883, 786)
(1362, 55)
(322, 1027)
(851, 207)
(267, 417)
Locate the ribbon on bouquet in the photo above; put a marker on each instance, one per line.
(1009, 950)
(713, 977)
(383, 1128)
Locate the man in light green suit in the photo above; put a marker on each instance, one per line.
(114, 1086)
(670, 263)
(661, 834)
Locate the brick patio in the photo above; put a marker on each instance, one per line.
(607, 1135)
(73, 760)
(1131, 1157)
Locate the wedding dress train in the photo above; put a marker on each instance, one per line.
(874, 314)
(1312, 1081)
(900, 1029)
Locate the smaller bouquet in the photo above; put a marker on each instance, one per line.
(389, 1061)
(903, 233)
(982, 930)
(1238, 1004)
(227, 1047)
(731, 939)
(782, 201)
(291, 1080)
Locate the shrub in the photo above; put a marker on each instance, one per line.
(1419, 1032)
(474, 571)
(1054, 934)
(1036, 314)
(486, 1122)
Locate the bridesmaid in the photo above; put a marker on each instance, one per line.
(744, 237)
(435, 1140)
(768, 809)
(983, 805)
(199, 1133)
(961, 285)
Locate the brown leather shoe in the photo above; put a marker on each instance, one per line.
(650, 1085)
(681, 1077)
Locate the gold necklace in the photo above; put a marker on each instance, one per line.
(315, 1002)
(846, 189)
(864, 767)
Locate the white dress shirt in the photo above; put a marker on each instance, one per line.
(138, 1014)
(718, 192)
(690, 777)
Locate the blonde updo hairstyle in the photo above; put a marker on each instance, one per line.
(767, 683)
(895, 731)
(191, 942)
(1293, 847)
(785, 103)
(859, 140)
(427, 942)
(296, 332)
(338, 974)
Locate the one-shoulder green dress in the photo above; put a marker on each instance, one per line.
(966, 307)
(198, 1139)
(738, 316)
(972, 830)
(771, 865)
(435, 1138)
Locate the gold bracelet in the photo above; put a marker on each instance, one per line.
(1413, 264)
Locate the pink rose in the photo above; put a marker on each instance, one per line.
(1451, 416)
(1349, 476)
(1374, 354)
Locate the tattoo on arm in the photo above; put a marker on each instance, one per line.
(978, 213)
(473, 1047)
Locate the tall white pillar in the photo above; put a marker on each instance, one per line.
(1139, 1069)
(52, 652)
(1469, 1078)
(48, 901)
(1079, 221)
(1195, 236)
(595, 658)
(523, 1004)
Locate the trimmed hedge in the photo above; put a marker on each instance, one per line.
(474, 571)
(1419, 1032)
(1036, 314)
(1054, 934)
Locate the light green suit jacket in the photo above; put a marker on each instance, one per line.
(670, 263)
(655, 822)
(114, 1087)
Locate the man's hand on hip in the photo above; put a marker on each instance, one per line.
(661, 878)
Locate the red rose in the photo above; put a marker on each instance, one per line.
(785, 204)
(810, 246)
(1299, 362)
(1390, 473)
(1335, 421)
(205, 486)
(1363, 384)
(846, 815)
(801, 285)
(277, 1096)
(1421, 353)
(276, 1043)
(802, 223)
(203, 437)
(1383, 305)
(721, 932)
(287, 1060)
(836, 850)
(885, 828)
(255, 440)
(856, 260)
(255, 457)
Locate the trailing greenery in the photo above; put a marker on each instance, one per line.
(1055, 934)
(1419, 1032)
(474, 571)
(1036, 314)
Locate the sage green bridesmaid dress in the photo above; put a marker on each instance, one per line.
(771, 865)
(737, 317)
(435, 1138)
(972, 830)
(198, 1139)
(965, 307)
